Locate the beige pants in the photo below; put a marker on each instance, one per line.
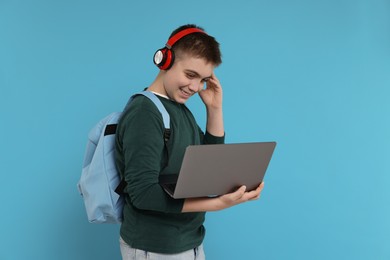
(129, 253)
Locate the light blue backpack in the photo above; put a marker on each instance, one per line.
(100, 183)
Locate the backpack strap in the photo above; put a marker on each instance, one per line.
(167, 128)
(161, 108)
(159, 105)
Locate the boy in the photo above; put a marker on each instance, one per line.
(156, 226)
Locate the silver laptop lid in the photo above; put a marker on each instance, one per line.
(209, 170)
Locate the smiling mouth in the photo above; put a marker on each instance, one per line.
(186, 93)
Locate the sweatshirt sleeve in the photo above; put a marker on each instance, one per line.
(143, 152)
(211, 139)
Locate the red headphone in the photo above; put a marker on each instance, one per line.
(164, 57)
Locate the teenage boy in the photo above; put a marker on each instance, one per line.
(156, 226)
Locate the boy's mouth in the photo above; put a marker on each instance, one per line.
(186, 93)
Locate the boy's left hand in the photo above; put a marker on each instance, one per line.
(212, 94)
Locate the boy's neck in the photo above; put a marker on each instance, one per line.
(157, 87)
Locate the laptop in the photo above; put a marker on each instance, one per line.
(217, 169)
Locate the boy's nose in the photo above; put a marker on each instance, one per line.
(195, 86)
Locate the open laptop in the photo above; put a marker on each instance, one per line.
(216, 169)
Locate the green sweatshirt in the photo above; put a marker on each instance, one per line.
(152, 220)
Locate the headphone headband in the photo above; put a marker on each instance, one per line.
(180, 35)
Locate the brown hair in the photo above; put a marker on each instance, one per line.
(200, 45)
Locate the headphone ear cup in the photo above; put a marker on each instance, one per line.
(169, 59)
(163, 58)
(159, 57)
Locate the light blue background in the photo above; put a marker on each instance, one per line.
(312, 75)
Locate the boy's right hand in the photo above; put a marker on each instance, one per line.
(222, 202)
(240, 196)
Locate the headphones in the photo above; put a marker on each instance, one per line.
(164, 57)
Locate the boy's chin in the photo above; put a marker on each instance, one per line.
(181, 100)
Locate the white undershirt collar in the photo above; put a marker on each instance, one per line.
(158, 94)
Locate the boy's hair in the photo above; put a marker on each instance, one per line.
(199, 45)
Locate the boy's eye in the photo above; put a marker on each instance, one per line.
(191, 76)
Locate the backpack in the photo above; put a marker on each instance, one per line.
(100, 185)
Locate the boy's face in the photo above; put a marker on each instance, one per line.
(186, 77)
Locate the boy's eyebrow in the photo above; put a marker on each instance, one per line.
(197, 74)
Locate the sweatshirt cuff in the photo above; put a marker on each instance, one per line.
(212, 139)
